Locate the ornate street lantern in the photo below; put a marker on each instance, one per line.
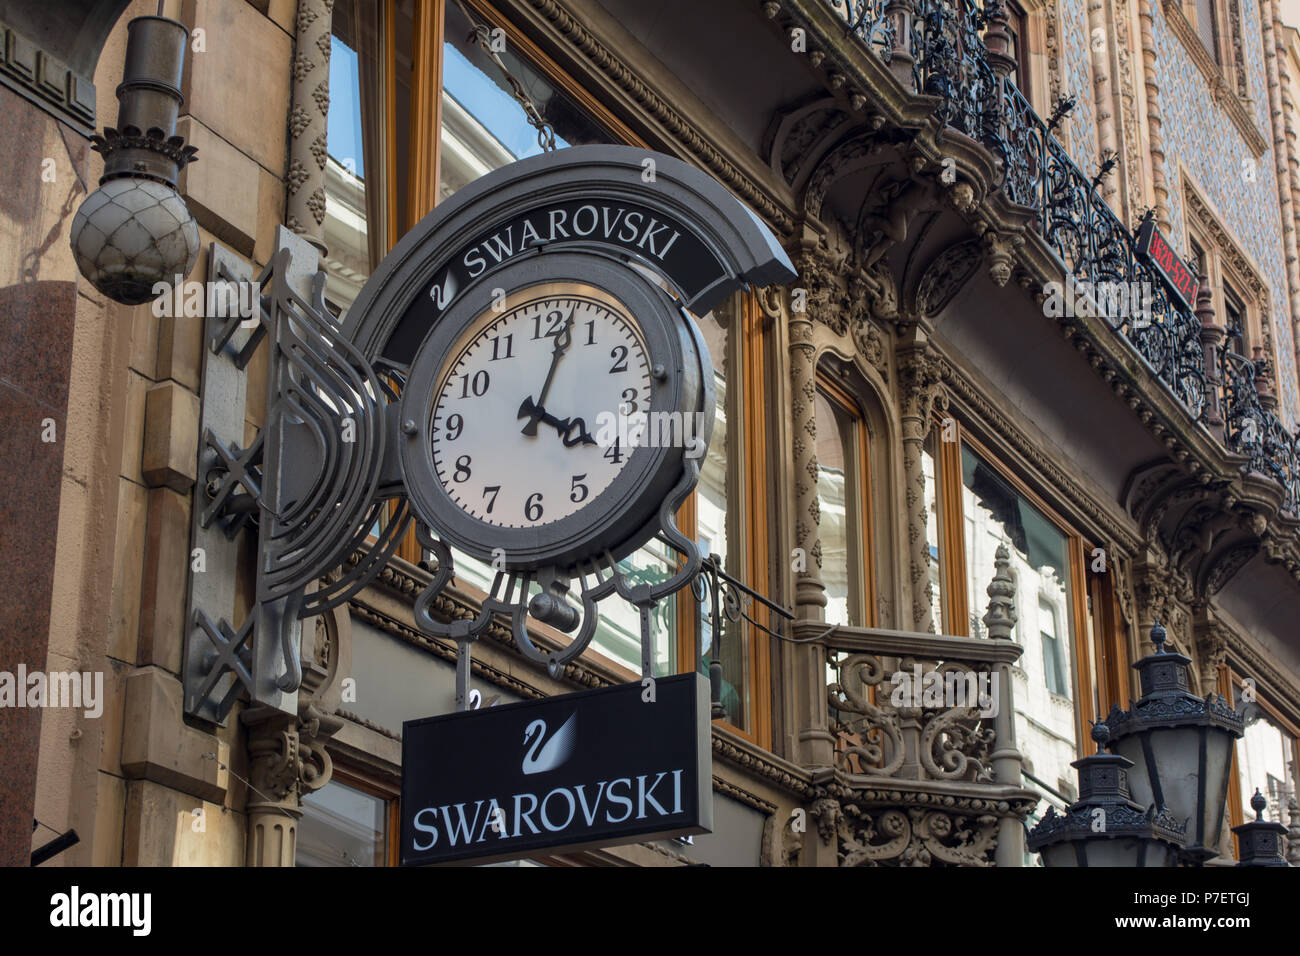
(135, 230)
(1259, 842)
(1181, 746)
(1106, 826)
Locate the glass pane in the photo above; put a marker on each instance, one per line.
(356, 227)
(483, 127)
(714, 529)
(1265, 761)
(932, 538)
(834, 457)
(342, 826)
(997, 514)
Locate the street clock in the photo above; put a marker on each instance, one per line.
(551, 410)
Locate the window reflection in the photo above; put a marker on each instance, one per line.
(362, 152)
(483, 127)
(932, 537)
(835, 467)
(997, 514)
(1266, 759)
(342, 826)
(715, 529)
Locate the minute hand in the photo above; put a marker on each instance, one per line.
(562, 342)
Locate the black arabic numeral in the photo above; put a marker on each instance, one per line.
(613, 454)
(478, 383)
(619, 354)
(533, 506)
(629, 399)
(455, 425)
(510, 347)
(495, 490)
(577, 490)
(591, 332)
(462, 469)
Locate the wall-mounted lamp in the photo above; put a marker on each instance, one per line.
(135, 229)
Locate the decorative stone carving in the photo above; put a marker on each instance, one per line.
(307, 143)
(946, 275)
(919, 378)
(916, 837)
(287, 756)
(1002, 254)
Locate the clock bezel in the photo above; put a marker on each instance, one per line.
(615, 519)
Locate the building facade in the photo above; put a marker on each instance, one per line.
(978, 438)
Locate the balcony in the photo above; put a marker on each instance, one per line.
(954, 51)
(926, 767)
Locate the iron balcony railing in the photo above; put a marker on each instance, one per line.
(950, 60)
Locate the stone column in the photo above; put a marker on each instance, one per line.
(1107, 139)
(286, 755)
(1000, 619)
(305, 214)
(918, 384)
(273, 807)
(815, 747)
(1212, 336)
(810, 597)
(1276, 71)
(1155, 139)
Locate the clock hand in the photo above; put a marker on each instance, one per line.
(562, 341)
(564, 426)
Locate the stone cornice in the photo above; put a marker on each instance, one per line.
(1222, 91)
(46, 81)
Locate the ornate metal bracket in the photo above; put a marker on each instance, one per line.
(310, 483)
(512, 595)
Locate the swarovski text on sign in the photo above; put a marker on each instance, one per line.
(596, 768)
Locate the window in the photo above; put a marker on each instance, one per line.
(1068, 620)
(365, 171)
(1234, 320)
(842, 494)
(1207, 27)
(1018, 31)
(1054, 666)
(483, 127)
(345, 824)
(727, 515)
(1265, 758)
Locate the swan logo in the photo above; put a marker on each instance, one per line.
(541, 757)
(442, 293)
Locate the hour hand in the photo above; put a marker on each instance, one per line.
(565, 426)
(533, 412)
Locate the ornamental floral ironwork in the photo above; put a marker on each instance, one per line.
(951, 61)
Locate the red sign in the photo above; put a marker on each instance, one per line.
(1157, 251)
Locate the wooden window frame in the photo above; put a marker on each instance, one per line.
(1230, 679)
(384, 788)
(1086, 660)
(749, 351)
(861, 534)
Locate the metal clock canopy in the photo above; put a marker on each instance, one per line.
(348, 410)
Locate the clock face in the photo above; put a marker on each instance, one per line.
(523, 430)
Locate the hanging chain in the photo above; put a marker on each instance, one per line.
(481, 34)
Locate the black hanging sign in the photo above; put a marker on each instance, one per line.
(1155, 248)
(596, 768)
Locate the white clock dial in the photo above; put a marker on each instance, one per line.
(523, 428)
